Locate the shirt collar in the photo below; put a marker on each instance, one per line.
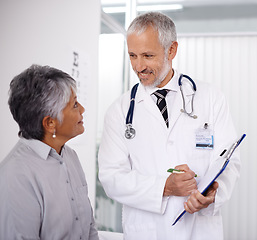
(172, 85)
(42, 149)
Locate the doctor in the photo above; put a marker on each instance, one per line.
(134, 171)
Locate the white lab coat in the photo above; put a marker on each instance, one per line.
(134, 171)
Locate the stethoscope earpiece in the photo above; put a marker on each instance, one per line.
(193, 116)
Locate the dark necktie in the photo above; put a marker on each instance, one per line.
(161, 103)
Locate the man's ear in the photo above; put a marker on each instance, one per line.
(173, 50)
(49, 124)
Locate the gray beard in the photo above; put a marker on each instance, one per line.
(163, 75)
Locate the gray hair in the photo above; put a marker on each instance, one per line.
(37, 92)
(161, 23)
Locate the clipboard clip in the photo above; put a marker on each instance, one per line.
(233, 147)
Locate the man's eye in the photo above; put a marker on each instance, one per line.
(148, 56)
(75, 104)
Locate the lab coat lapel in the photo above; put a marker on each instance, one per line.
(176, 110)
(144, 98)
(177, 106)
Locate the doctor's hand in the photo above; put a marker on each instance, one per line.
(197, 201)
(180, 184)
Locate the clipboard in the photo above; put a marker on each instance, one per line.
(214, 172)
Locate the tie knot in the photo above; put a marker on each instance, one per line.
(161, 93)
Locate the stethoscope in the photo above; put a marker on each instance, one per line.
(130, 132)
(190, 114)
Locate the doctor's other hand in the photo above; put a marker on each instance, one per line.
(180, 184)
(197, 201)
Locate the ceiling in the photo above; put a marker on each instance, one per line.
(192, 9)
(184, 2)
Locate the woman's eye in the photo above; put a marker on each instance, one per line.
(75, 104)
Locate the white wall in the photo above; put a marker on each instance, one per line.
(46, 32)
(111, 50)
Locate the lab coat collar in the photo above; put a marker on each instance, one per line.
(144, 95)
(172, 85)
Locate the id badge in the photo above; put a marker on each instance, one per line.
(204, 137)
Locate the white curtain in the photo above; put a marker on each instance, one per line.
(230, 62)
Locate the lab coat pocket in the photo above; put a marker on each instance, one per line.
(138, 224)
(207, 225)
(198, 159)
(141, 234)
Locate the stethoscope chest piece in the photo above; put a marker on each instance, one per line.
(130, 132)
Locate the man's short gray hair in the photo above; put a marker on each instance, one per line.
(161, 23)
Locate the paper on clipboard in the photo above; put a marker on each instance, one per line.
(213, 173)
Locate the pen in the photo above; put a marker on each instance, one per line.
(171, 170)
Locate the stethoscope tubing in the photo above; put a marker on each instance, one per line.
(129, 117)
(189, 78)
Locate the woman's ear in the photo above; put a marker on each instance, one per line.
(49, 124)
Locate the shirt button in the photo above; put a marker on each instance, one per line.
(67, 181)
(61, 162)
(72, 199)
(77, 218)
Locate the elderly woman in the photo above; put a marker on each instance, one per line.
(43, 191)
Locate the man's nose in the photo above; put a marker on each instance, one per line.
(140, 65)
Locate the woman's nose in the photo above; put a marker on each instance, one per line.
(82, 109)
